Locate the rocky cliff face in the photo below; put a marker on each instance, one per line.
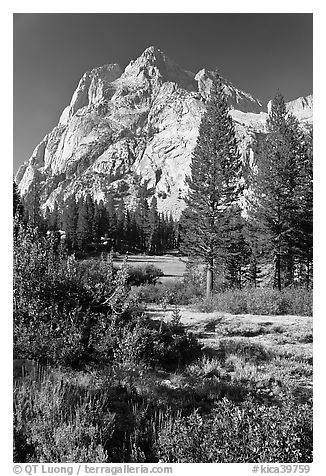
(139, 125)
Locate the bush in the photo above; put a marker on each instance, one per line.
(245, 433)
(138, 275)
(177, 292)
(244, 348)
(260, 301)
(141, 340)
(61, 306)
(56, 422)
(171, 292)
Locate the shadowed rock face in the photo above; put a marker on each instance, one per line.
(141, 122)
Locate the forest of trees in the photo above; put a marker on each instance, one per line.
(94, 226)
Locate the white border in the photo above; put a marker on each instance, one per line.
(168, 6)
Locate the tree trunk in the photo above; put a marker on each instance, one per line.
(209, 279)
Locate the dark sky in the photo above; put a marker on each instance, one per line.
(259, 53)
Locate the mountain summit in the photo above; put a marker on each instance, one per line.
(124, 129)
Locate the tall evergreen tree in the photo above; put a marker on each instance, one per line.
(100, 222)
(214, 188)
(238, 252)
(85, 222)
(69, 221)
(152, 245)
(111, 218)
(142, 220)
(120, 227)
(305, 219)
(277, 183)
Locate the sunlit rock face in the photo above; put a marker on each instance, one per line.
(137, 126)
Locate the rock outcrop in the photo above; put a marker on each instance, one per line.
(139, 125)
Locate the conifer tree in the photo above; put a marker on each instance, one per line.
(152, 245)
(69, 219)
(96, 233)
(120, 224)
(277, 187)
(305, 218)
(100, 222)
(82, 229)
(111, 218)
(127, 227)
(134, 232)
(214, 188)
(142, 220)
(238, 252)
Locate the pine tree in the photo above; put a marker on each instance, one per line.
(134, 232)
(152, 245)
(214, 188)
(69, 221)
(305, 219)
(238, 252)
(100, 222)
(277, 185)
(111, 218)
(96, 234)
(255, 249)
(84, 229)
(120, 227)
(142, 220)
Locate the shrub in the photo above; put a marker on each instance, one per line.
(244, 348)
(56, 422)
(260, 301)
(61, 305)
(171, 292)
(245, 433)
(177, 292)
(159, 344)
(138, 275)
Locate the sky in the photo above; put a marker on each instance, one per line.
(259, 53)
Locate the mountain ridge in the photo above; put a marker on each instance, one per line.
(137, 124)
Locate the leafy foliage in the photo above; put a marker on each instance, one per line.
(234, 433)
